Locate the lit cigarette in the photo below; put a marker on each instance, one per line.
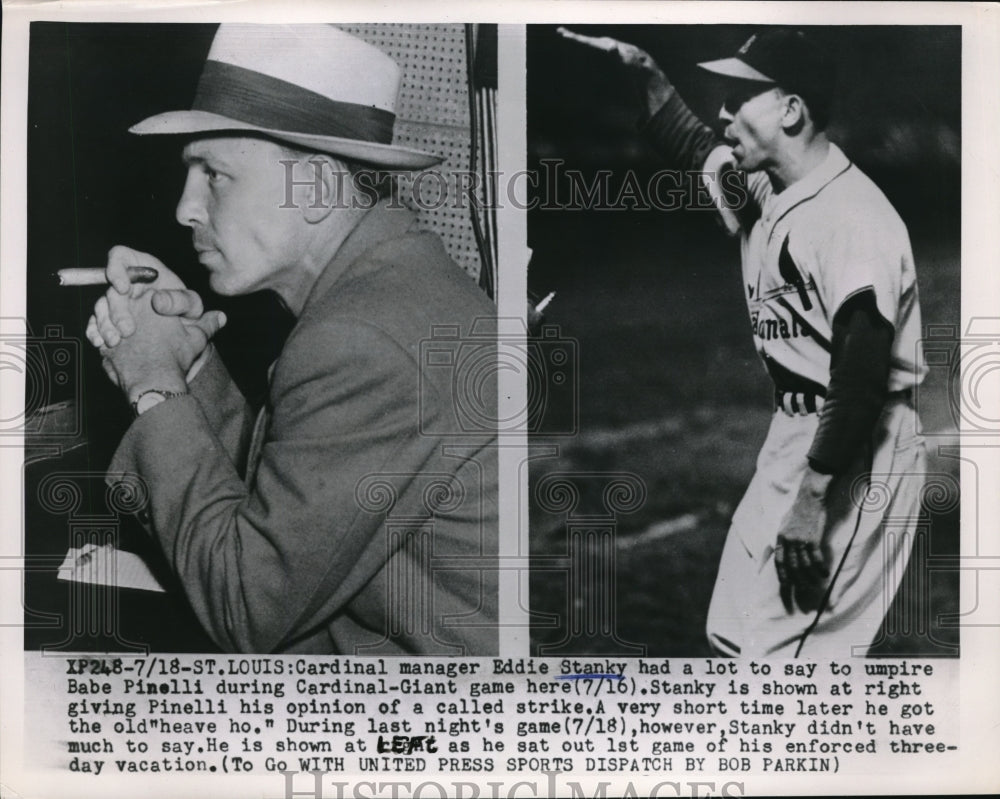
(544, 303)
(97, 277)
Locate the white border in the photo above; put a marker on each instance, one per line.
(980, 688)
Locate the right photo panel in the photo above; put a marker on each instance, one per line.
(744, 292)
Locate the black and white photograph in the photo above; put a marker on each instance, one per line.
(747, 233)
(248, 305)
(503, 400)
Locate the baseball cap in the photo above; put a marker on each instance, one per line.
(786, 58)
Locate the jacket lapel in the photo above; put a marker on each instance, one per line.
(380, 224)
(259, 433)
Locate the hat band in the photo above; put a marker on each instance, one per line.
(275, 104)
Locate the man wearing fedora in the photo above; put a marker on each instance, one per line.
(354, 514)
(809, 564)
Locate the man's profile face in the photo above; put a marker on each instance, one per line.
(231, 202)
(753, 116)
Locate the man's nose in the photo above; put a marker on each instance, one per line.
(191, 206)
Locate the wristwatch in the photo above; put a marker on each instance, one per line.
(152, 396)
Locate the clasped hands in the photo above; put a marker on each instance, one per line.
(150, 335)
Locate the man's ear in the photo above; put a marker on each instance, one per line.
(303, 182)
(795, 113)
(338, 185)
(322, 183)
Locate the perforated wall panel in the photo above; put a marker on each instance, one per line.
(433, 115)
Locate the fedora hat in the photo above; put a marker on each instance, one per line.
(313, 86)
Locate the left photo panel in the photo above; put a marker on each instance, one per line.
(259, 348)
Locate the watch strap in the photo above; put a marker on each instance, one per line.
(161, 395)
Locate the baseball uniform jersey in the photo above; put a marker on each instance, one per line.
(807, 251)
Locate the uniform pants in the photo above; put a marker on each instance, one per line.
(872, 515)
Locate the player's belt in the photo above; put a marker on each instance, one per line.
(802, 403)
(797, 403)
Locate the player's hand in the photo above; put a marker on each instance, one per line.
(800, 557)
(161, 350)
(652, 84)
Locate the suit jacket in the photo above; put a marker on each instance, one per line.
(358, 514)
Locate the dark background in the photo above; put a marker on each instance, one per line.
(92, 185)
(670, 388)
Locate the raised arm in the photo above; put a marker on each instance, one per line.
(645, 74)
(679, 137)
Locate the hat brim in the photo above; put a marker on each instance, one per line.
(383, 155)
(734, 68)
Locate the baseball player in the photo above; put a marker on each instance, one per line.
(820, 540)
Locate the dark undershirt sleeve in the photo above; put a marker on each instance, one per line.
(859, 383)
(680, 138)
(684, 142)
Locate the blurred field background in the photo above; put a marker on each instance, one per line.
(670, 389)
